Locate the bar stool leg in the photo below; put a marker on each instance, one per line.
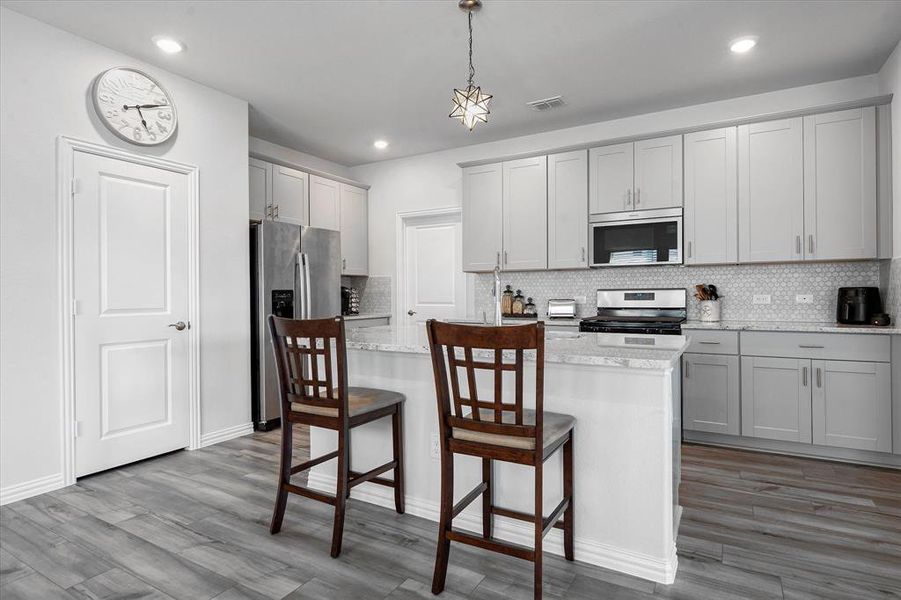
(284, 477)
(570, 512)
(397, 427)
(539, 526)
(341, 493)
(444, 524)
(487, 498)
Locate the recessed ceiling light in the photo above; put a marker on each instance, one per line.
(168, 45)
(743, 44)
(380, 144)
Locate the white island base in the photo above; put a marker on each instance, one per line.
(626, 401)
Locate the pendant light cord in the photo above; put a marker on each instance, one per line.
(472, 71)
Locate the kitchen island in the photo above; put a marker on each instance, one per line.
(623, 390)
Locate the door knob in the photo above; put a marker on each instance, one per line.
(411, 312)
(180, 326)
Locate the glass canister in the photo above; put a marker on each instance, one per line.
(507, 301)
(529, 310)
(519, 303)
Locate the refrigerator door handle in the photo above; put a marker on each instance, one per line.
(306, 286)
(301, 285)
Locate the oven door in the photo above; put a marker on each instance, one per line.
(650, 241)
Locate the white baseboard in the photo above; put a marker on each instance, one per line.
(35, 487)
(591, 552)
(229, 433)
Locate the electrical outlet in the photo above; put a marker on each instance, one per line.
(762, 299)
(434, 446)
(804, 299)
(581, 300)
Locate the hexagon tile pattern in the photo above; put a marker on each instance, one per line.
(737, 285)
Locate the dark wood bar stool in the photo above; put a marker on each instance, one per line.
(310, 396)
(495, 430)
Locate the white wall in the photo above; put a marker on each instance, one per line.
(890, 83)
(433, 180)
(46, 76)
(296, 157)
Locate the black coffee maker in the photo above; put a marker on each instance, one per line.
(856, 305)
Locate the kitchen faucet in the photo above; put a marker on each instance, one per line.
(497, 295)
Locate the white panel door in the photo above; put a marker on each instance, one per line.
(483, 227)
(710, 393)
(567, 210)
(775, 398)
(658, 173)
(130, 285)
(610, 178)
(260, 176)
(354, 230)
(525, 214)
(840, 184)
(434, 281)
(290, 195)
(770, 191)
(325, 204)
(852, 405)
(711, 197)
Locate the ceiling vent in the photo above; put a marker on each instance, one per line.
(546, 104)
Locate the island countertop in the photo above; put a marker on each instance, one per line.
(600, 349)
(791, 326)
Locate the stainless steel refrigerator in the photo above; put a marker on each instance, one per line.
(295, 272)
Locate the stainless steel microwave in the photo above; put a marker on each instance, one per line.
(647, 237)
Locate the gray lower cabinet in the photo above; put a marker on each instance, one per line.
(710, 393)
(852, 405)
(775, 398)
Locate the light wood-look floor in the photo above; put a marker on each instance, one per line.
(194, 525)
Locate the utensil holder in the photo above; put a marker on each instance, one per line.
(710, 310)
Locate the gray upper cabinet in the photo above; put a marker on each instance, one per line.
(260, 177)
(325, 203)
(354, 215)
(770, 191)
(710, 393)
(290, 195)
(525, 214)
(658, 173)
(482, 217)
(852, 405)
(610, 178)
(711, 201)
(840, 185)
(775, 398)
(567, 210)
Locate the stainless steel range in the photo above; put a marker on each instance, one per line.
(659, 312)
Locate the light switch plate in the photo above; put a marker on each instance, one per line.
(762, 299)
(804, 299)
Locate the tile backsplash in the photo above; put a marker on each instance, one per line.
(737, 284)
(375, 293)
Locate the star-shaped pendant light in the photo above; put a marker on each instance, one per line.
(470, 104)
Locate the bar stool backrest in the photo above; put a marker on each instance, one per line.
(302, 378)
(471, 347)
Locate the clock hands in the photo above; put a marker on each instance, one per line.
(125, 107)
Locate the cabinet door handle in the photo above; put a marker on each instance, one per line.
(505, 257)
(810, 346)
(686, 369)
(797, 244)
(810, 243)
(804, 376)
(710, 343)
(689, 249)
(275, 214)
(583, 253)
(498, 261)
(343, 264)
(637, 196)
(628, 198)
(819, 377)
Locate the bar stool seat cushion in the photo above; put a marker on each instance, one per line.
(556, 425)
(360, 400)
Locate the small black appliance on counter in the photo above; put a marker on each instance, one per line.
(857, 305)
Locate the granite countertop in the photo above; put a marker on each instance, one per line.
(563, 322)
(366, 316)
(600, 349)
(793, 326)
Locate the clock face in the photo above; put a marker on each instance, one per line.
(134, 107)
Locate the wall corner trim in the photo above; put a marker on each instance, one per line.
(222, 435)
(27, 489)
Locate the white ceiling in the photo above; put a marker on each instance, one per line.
(328, 78)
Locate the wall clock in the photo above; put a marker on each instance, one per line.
(134, 106)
